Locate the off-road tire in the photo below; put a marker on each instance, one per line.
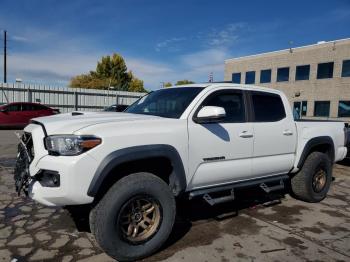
(302, 183)
(104, 217)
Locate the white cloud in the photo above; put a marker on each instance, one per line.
(59, 67)
(49, 66)
(226, 36)
(170, 44)
(151, 72)
(205, 57)
(19, 38)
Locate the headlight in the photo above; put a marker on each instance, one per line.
(70, 145)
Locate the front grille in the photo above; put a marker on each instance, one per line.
(24, 158)
(28, 141)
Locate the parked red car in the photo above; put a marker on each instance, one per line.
(18, 115)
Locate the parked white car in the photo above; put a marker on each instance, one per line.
(190, 141)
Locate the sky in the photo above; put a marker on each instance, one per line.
(53, 40)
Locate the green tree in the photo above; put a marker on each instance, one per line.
(88, 81)
(184, 82)
(135, 85)
(111, 71)
(114, 69)
(167, 84)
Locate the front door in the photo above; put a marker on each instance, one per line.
(220, 153)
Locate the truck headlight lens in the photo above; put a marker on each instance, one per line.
(70, 145)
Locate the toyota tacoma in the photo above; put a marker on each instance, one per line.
(201, 140)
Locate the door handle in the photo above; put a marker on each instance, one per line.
(245, 134)
(287, 133)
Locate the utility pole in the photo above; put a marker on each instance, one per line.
(5, 56)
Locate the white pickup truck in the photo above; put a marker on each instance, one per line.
(201, 140)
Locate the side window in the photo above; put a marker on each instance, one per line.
(232, 102)
(282, 74)
(267, 107)
(346, 69)
(321, 108)
(344, 109)
(13, 108)
(27, 107)
(325, 70)
(250, 77)
(265, 76)
(39, 107)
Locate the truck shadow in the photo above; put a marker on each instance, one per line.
(344, 162)
(198, 210)
(193, 212)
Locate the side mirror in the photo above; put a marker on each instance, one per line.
(3, 110)
(210, 114)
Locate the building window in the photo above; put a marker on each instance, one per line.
(346, 68)
(322, 108)
(304, 108)
(265, 76)
(283, 74)
(300, 108)
(344, 109)
(250, 77)
(325, 70)
(302, 72)
(236, 78)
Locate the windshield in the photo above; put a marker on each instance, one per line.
(170, 103)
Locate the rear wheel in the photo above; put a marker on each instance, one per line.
(312, 182)
(135, 217)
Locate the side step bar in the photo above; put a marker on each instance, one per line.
(218, 200)
(262, 183)
(268, 189)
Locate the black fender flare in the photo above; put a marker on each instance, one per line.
(128, 154)
(312, 143)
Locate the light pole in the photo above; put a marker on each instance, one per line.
(5, 56)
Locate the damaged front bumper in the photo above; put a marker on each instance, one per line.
(51, 180)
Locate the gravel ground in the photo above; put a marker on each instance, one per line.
(253, 228)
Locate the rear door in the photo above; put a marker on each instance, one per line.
(274, 135)
(12, 115)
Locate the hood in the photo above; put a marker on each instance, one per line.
(71, 122)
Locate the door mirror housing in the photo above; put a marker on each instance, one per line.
(3, 110)
(210, 114)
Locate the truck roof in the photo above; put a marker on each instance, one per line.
(231, 85)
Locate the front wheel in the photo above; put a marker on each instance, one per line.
(312, 182)
(135, 217)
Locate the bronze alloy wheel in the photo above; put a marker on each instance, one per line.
(139, 219)
(319, 180)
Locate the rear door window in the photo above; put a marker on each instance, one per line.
(267, 107)
(40, 107)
